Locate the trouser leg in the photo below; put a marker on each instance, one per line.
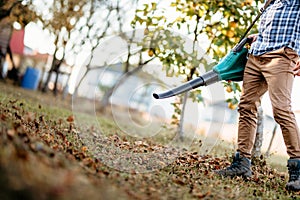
(279, 76)
(254, 86)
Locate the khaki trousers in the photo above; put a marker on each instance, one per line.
(273, 72)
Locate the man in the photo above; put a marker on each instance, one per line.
(272, 65)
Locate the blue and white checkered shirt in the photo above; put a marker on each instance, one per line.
(279, 27)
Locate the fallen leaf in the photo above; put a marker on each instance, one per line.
(11, 133)
(70, 118)
(201, 195)
(84, 148)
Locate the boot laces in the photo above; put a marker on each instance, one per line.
(294, 174)
(235, 165)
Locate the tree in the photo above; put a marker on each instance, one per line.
(75, 26)
(7, 7)
(116, 19)
(95, 35)
(129, 68)
(59, 18)
(12, 11)
(78, 26)
(220, 22)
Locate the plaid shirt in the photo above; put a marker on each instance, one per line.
(279, 27)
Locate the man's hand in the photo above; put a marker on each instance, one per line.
(297, 68)
(253, 37)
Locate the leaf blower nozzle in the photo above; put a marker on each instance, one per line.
(231, 67)
(204, 80)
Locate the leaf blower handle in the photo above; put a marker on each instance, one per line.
(241, 44)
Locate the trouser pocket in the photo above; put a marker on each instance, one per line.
(290, 54)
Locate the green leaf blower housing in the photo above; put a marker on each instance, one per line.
(231, 67)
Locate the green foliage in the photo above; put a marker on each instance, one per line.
(232, 87)
(220, 23)
(223, 22)
(170, 49)
(60, 18)
(16, 11)
(196, 96)
(176, 114)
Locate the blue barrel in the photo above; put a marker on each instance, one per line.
(31, 78)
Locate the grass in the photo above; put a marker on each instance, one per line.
(49, 152)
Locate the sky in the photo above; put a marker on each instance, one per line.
(38, 39)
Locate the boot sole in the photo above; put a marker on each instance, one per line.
(291, 188)
(244, 176)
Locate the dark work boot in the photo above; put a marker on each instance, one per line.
(294, 175)
(240, 166)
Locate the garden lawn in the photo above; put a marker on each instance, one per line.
(42, 156)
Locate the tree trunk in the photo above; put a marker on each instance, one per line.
(55, 84)
(272, 139)
(79, 83)
(57, 66)
(45, 86)
(66, 88)
(13, 74)
(256, 151)
(181, 123)
(1, 66)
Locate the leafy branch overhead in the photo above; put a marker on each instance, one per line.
(214, 27)
(16, 11)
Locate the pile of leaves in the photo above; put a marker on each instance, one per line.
(44, 156)
(36, 161)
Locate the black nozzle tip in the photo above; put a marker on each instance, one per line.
(156, 96)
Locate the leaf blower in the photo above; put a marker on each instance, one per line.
(231, 67)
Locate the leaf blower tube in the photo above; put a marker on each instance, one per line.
(231, 67)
